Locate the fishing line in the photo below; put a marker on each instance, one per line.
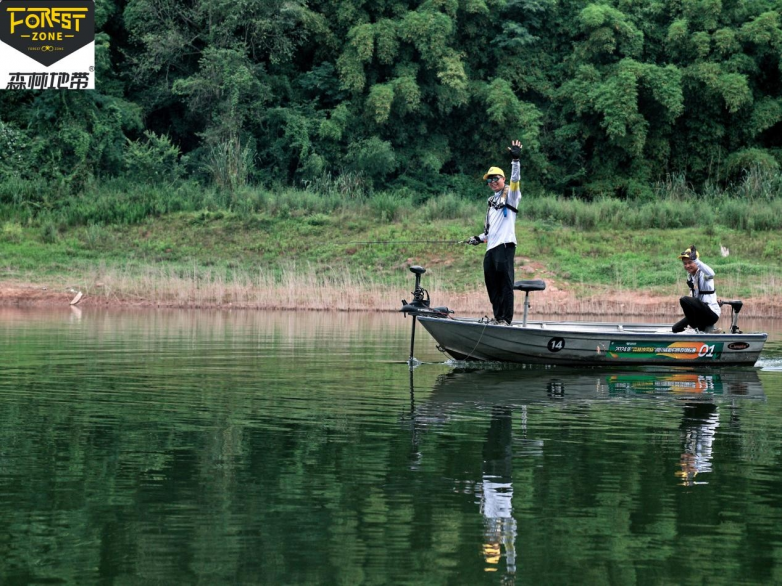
(408, 242)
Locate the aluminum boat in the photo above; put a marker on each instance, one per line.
(577, 343)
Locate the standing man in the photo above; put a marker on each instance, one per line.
(499, 234)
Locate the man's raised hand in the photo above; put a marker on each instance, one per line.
(515, 150)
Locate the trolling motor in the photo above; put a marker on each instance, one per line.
(736, 306)
(420, 305)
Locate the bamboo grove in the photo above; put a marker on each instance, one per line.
(606, 97)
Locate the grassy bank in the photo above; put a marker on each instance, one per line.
(752, 204)
(309, 249)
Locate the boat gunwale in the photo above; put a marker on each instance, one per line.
(610, 329)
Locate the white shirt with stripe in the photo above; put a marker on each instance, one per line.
(703, 280)
(502, 227)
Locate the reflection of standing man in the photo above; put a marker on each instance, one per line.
(497, 493)
(699, 426)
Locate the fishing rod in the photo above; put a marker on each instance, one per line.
(409, 242)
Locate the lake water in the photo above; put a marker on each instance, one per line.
(186, 447)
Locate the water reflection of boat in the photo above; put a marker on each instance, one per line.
(507, 394)
(515, 389)
(523, 386)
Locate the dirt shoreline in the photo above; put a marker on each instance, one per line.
(557, 303)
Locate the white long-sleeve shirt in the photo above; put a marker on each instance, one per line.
(500, 228)
(703, 280)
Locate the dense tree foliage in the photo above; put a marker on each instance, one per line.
(607, 97)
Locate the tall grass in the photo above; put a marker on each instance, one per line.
(349, 184)
(229, 164)
(304, 286)
(449, 206)
(289, 286)
(753, 203)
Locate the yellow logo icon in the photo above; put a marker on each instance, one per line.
(47, 30)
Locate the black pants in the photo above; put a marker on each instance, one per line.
(498, 274)
(696, 315)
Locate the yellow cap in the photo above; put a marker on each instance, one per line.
(686, 254)
(494, 171)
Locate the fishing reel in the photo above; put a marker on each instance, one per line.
(420, 305)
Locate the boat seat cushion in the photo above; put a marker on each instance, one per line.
(532, 285)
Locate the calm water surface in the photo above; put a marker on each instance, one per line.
(177, 447)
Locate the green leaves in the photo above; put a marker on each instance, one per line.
(14, 146)
(386, 40)
(332, 128)
(402, 91)
(373, 157)
(502, 106)
(607, 30)
(429, 32)
(746, 160)
(614, 95)
(731, 87)
(606, 96)
(665, 84)
(725, 42)
(766, 113)
(764, 30)
(228, 86)
(153, 160)
(453, 78)
(379, 102)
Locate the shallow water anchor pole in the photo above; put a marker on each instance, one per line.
(412, 342)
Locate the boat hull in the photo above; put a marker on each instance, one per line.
(590, 343)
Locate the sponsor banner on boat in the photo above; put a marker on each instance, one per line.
(666, 350)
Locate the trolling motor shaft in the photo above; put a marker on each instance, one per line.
(736, 306)
(420, 305)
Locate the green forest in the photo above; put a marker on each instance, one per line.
(609, 98)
